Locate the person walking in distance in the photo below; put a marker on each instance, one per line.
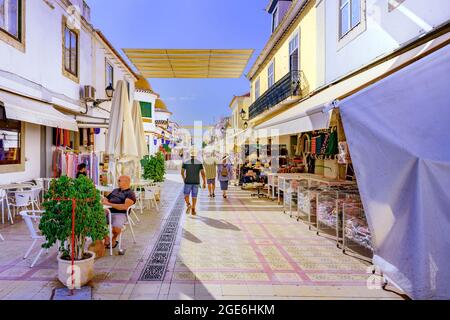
(191, 171)
(210, 166)
(224, 174)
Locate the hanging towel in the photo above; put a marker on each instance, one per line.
(332, 147)
(325, 143)
(313, 145)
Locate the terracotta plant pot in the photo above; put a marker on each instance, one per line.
(84, 271)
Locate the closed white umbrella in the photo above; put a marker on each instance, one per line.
(140, 136)
(139, 130)
(121, 140)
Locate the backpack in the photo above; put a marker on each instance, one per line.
(224, 172)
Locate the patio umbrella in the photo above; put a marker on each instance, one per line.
(140, 136)
(120, 140)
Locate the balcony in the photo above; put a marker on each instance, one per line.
(288, 86)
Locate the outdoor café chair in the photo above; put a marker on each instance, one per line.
(23, 199)
(31, 217)
(36, 197)
(1, 237)
(4, 200)
(150, 196)
(129, 223)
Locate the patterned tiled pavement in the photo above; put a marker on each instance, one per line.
(235, 248)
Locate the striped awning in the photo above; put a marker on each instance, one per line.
(196, 63)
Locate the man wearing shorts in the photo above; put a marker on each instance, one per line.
(119, 200)
(191, 171)
(210, 166)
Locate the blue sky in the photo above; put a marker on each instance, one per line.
(188, 24)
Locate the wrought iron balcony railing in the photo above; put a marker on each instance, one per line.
(284, 88)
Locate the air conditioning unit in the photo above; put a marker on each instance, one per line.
(88, 93)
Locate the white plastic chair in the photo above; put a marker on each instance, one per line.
(36, 197)
(129, 223)
(28, 217)
(40, 183)
(150, 196)
(1, 237)
(23, 199)
(4, 200)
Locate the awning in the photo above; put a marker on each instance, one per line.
(308, 114)
(92, 122)
(190, 63)
(398, 131)
(32, 111)
(302, 118)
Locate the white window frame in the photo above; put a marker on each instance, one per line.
(109, 64)
(7, 17)
(349, 22)
(275, 20)
(271, 75)
(352, 33)
(296, 36)
(257, 88)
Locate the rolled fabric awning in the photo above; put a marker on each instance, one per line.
(37, 112)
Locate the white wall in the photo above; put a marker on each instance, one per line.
(160, 115)
(37, 72)
(32, 157)
(385, 31)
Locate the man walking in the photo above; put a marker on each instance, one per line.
(210, 166)
(191, 171)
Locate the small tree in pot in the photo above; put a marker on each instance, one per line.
(90, 221)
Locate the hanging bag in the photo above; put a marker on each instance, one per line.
(224, 171)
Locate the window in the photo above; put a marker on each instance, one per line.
(275, 19)
(10, 140)
(109, 74)
(350, 15)
(294, 53)
(257, 89)
(146, 109)
(11, 18)
(71, 47)
(86, 11)
(271, 73)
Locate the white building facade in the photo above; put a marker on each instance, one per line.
(49, 52)
(354, 33)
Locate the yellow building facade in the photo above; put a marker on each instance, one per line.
(299, 22)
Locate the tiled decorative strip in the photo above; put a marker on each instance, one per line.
(156, 265)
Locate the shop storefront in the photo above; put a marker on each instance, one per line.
(24, 138)
(374, 173)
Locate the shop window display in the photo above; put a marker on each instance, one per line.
(10, 141)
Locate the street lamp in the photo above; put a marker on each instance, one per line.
(244, 118)
(109, 90)
(243, 114)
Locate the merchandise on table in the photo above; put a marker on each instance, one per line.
(355, 224)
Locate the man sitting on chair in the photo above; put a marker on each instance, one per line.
(119, 200)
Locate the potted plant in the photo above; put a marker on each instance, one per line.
(56, 225)
(154, 167)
